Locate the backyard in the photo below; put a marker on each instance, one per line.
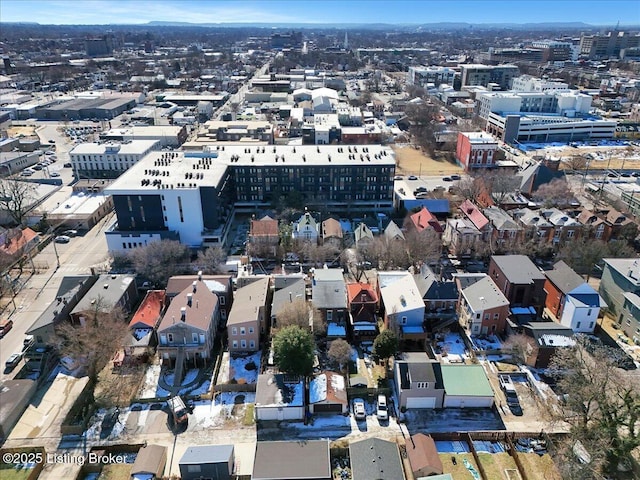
(458, 470)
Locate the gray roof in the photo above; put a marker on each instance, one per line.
(202, 454)
(329, 289)
(247, 302)
(393, 231)
(564, 278)
(501, 219)
(518, 269)
(433, 289)
(150, 459)
(110, 288)
(375, 458)
(633, 298)
(292, 460)
(484, 295)
(293, 292)
(629, 268)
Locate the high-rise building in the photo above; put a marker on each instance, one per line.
(608, 45)
(477, 74)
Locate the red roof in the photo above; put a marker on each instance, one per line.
(266, 226)
(425, 219)
(149, 311)
(17, 239)
(474, 214)
(354, 290)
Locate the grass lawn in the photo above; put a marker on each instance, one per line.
(248, 418)
(459, 471)
(495, 464)
(539, 467)
(8, 472)
(116, 471)
(506, 367)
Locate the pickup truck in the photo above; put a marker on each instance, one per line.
(178, 409)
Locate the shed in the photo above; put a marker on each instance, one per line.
(466, 386)
(307, 460)
(374, 458)
(150, 463)
(423, 456)
(327, 394)
(207, 461)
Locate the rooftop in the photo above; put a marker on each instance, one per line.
(466, 380)
(484, 295)
(295, 460)
(133, 147)
(518, 269)
(247, 302)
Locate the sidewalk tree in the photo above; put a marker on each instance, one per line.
(385, 345)
(293, 349)
(158, 261)
(16, 197)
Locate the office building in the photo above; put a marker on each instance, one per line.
(477, 74)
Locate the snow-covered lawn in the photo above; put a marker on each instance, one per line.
(152, 388)
(244, 368)
(95, 428)
(490, 342)
(452, 348)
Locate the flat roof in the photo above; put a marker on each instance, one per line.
(132, 147)
(466, 380)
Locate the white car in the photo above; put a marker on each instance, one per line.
(382, 412)
(62, 239)
(54, 174)
(359, 412)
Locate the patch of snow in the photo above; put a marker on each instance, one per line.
(238, 370)
(318, 389)
(337, 382)
(490, 342)
(453, 346)
(150, 386)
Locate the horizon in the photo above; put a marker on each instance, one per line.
(356, 12)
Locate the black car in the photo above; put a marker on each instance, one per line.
(455, 177)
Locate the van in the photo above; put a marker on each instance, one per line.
(5, 326)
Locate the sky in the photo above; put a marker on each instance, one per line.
(85, 12)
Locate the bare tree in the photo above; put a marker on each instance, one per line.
(520, 345)
(211, 259)
(500, 184)
(93, 342)
(158, 261)
(299, 312)
(576, 162)
(602, 408)
(16, 198)
(555, 193)
(470, 188)
(424, 246)
(340, 352)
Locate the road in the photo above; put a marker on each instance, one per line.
(76, 258)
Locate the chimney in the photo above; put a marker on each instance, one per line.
(189, 299)
(194, 285)
(200, 275)
(183, 314)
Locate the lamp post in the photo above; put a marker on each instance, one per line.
(55, 249)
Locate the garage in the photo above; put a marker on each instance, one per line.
(421, 402)
(466, 386)
(327, 408)
(327, 394)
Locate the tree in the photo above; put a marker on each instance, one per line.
(340, 352)
(470, 188)
(584, 254)
(576, 162)
(602, 409)
(520, 346)
(96, 339)
(298, 312)
(555, 193)
(385, 345)
(158, 261)
(16, 198)
(211, 259)
(423, 246)
(293, 349)
(500, 184)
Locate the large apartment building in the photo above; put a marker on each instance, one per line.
(608, 45)
(109, 159)
(192, 196)
(477, 74)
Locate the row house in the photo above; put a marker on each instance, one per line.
(393, 232)
(461, 236)
(565, 228)
(483, 308)
(519, 279)
(363, 304)
(402, 307)
(536, 227)
(248, 316)
(221, 285)
(472, 213)
(143, 338)
(332, 233)
(423, 221)
(604, 226)
(363, 235)
(264, 234)
(440, 298)
(108, 294)
(329, 296)
(504, 229)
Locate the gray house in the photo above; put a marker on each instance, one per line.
(419, 381)
(629, 319)
(329, 295)
(214, 462)
(375, 458)
(620, 276)
(107, 294)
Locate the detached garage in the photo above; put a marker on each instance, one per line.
(279, 397)
(327, 394)
(466, 386)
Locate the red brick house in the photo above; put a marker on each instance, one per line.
(476, 150)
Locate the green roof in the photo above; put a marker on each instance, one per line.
(466, 380)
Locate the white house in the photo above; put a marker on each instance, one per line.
(306, 228)
(581, 309)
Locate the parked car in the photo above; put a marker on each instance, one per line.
(13, 361)
(70, 233)
(28, 341)
(382, 411)
(5, 326)
(359, 412)
(455, 177)
(54, 174)
(447, 179)
(398, 177)
(52, 141)
(26, 173)
(62, 239)
(67, 165)
(412, 177)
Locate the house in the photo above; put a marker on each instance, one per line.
(418, 381)
(466, 386)
(279, 397)
(150, 462)
(15, 242)
(423, 456)
(215, 462)
(363, 235)
(306, 228)
(483, 308)
(393, 232)
(109, 293)
(546, 339)
(565, 228)
(519, 279)
(472, 213)
(615, 223)
(440, 297)
(505, 230)
(264, 234)
(293, 460)
(363, 304)
(219, 284)
(461, 236)
(295, 292)
(71, 290)
(143, 337)
(536, 226)
(402, 307)
(619, 276)
(188, 328)
(422, 221)
(329, 295)
(570, 300)
(629, 319)
(332, 232)
(374, 458)
(594, 226)
(247, 319)
(328, 394)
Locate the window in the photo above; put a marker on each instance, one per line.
(422, 385)
(329, 315)
(589, 313)
(193, 468)
(496, 316)
(170, 337)
(194, 337)
(235, 344)
(243, 344)
(250, 329)
(591, 325)
(234, 331)
(222, 299)
(223, 314)
(243, 330)
(252, 344)
(403, 320)
(578, 324)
